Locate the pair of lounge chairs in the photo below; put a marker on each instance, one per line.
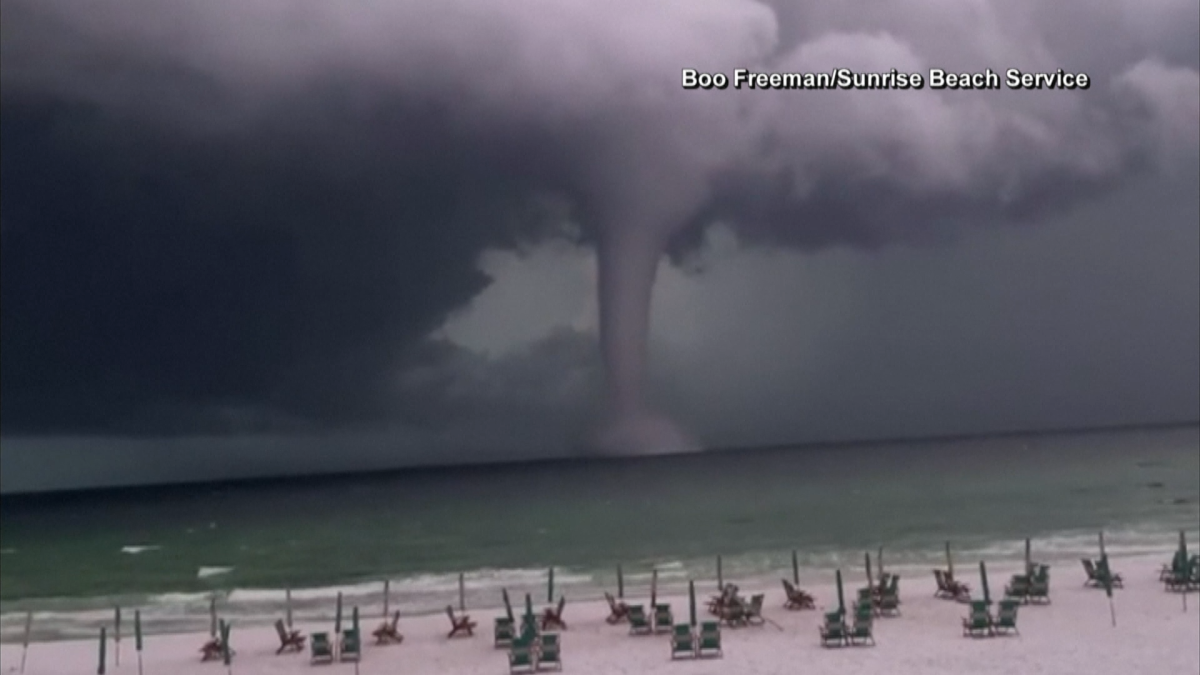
(949, 588)
(981, 623)
(460, 626)
(1099, 574)
(552, 616)
(618, 611)
(1030, 588)
(350, 647)
(836, 633)
(705, 643)
(213, 649)
(1183, 574)
(530, 653)
(738, 612)
(796, 598)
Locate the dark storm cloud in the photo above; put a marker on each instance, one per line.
(222, 215)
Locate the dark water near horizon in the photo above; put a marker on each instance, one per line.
(68, 556)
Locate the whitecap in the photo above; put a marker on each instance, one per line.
(205, 572)
(134, 550)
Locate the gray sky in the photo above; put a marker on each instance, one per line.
(234, 231)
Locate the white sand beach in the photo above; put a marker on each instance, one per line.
(1071, 635)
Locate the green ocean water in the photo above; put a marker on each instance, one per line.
(70, 557)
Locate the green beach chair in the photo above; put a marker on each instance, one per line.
(683, 642)
(753, 611)
(351, 646)
(860, 633)
(979, 623)
(550, 653)
(521, 656)
(639, 624)
(1018, 588)
(1006, 618)
(322, 648)
(504, 631)
(709, 640)
(833, 631)
(663, 620)
(1039, 586)
(889, 600)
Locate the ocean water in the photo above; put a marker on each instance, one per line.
(70, 558)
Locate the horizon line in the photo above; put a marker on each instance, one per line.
(514, 463)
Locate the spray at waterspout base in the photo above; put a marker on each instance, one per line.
(640, 433)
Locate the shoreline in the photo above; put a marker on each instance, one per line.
(1071, 635)
(427, 594)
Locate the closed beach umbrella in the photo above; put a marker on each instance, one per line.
(550, 587)
(692, 601)
(653, 589)
(462, 592)
(1107, 578)
(841, 596)
(870, 579)
(103, 641)
(1183, 559)
(1028, 557)
(25, 640)
(507, 604)
(226, 652)
(137, 636)
(528, 607)
(620, 584)
(337, 617)
(117, 633)
(387, 588)
(354, 620)
(983, 580)
(879, 562)
(720, 579)
(795, 568)
(287, 603)
(212, 615)
(949, 560)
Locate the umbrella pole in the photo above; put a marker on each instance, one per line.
(462, 592)
(25, 641)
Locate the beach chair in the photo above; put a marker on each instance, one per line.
(860, 633)
(1178, 577)
(460, 625)
(1006, 618)
(211, 650)
(709, 640)
(663, 619)
(617, 611)
(1018, 588)
(1194, 572)
(639, 624)
(289, 640)
(889, 599)
(351, 647)
(753, 611)
(683, 642)
(389, 631)
(504, 632)
(796, 598)
(734, 614)
(322, 648)
(979, 623)
(550, 653)
(521, 656)
(552, 617)
(1039, 586)
(833, 631)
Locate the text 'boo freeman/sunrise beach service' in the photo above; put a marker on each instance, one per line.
(846, 78)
